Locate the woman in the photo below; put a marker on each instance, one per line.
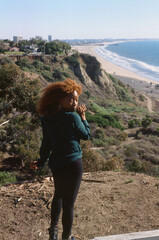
(62, 131)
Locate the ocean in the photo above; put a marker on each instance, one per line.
(141, 57)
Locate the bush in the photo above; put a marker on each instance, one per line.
(135, 165)
(99, 120)
(6, 177)
(47, 67)
(22, 138)
(38, 65)
(131, 151)
(9, 75)
(146, 122)
(141, 98)
(47, 75)
(122, 136)
(98, 142)
(123, 94)
(92, 160)
(73, 60)
(24, 62)
(103, 120)
(134, 123)
(114, 163)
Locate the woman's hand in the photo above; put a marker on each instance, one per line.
(81, 110)
(33, 165)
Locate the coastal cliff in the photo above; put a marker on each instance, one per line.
(116, 112)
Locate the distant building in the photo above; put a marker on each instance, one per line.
(16, 39)
(33, 48)
(38, 38)
(49, 38)
(14, 49)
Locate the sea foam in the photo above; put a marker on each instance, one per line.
(139, 67)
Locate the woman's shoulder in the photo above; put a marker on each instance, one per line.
(48, 117)
(73, 116)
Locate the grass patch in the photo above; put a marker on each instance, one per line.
(110, 107)
(7, 177)
(14, 53)
(102, 119)
(129, 181)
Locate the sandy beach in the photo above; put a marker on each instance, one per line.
(134, 80)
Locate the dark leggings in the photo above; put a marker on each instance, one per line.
(67, 182)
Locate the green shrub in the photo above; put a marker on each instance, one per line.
(92, 160)
(122, 136)
(98, 142)
(24, 62)
(135, 165)
(146, 122)
(114, 163)
(134, 123)
(103, 120)
(7, 177)
(47, 67)
(73, 60)
(123, 94)
(38, 65)
(57, 74)
(22, 137)
(47, 75)
(131, 151)
(141, 98)
(113, 78)
(88, 94)
(5, 60)
(98, 119)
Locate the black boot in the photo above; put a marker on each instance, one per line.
(53, 233)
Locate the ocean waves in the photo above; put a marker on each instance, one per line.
(139, 67)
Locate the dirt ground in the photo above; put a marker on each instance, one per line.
(108, 203)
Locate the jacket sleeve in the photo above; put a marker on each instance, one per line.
(45, 147)
(81, 127)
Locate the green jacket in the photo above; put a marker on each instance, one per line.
(61, 138)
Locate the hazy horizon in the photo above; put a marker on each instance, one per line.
(84, 19)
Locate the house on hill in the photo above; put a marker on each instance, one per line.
(14, 49)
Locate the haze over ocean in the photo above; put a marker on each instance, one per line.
(141, 57)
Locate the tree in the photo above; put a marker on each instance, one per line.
(9, 74)
(15, 87)
(57, 47)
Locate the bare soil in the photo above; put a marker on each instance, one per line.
(108, 203)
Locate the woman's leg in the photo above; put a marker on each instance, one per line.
(72, 175)
(56, 207)
(57, 199)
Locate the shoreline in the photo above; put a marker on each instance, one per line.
(135, 80)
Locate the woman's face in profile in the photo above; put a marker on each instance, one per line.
(70, 102)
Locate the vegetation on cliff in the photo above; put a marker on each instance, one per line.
(115, 112)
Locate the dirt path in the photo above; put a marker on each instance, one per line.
(108, 203)
(149, 102)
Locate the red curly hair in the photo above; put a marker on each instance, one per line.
(49, 100)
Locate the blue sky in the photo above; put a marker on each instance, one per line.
(73, 19)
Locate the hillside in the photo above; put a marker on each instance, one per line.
(108, 203)
(115, 195)
(113, 107)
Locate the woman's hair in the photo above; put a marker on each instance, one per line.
(49, 100)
